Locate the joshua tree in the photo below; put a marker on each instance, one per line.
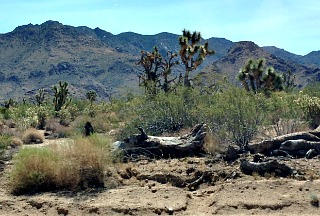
(255, 77)
(91, 96)
(40, 97)
(155, 67)
(10, 103)
(192, 54)
(252, 72)
(288, 80)
(166, 66)
(61, 93)
(151, 63)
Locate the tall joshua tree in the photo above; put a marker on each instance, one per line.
(61, 96)
(155, 66)
(150, 63)
(192, 54)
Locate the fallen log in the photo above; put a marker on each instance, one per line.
(300, 144)
(272, 166)
(266, 146)
(155, 146)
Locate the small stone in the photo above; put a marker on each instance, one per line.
(158, 211)
(154, 190)
(170, 211)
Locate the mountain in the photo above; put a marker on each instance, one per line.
(281, 53)
(239, 54)
(39, 56)
(311, 59)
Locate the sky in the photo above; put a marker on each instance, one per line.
(293, 25)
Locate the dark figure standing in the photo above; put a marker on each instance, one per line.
(88, 129)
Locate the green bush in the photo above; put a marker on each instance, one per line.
(310, 107)
(235, 115)
(161, 113)
(283, 113)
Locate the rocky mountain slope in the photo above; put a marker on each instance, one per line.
(38, 56)
(239, 54)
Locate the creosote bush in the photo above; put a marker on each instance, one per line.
(67, 166)
(162, 113)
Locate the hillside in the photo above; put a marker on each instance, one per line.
(239, 54)
(38, 56)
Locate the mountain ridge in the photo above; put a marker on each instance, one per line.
(38, 56)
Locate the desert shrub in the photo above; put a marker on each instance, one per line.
(66, 166)
(101, 122)
(283, 113)
(95, 109)
(314, 200)
(312, 89)
(32, 135)
(15, 141)
(57, 130)
(161, 113)
(42, 116)
(310, 107)
(34, 170)
(5, 141)
(25, 116)
(234, 115)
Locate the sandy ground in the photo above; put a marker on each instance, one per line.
(159, 187)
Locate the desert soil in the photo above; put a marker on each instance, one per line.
(159, 187)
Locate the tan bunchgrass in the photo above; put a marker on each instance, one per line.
(32, 135)
(68, 165)
(15, 141)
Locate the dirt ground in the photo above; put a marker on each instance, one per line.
(160, 187)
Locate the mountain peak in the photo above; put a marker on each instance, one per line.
(243, 46)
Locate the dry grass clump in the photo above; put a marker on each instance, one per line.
(211, 143)
(32, 135)
(68, 166)
(15, 141)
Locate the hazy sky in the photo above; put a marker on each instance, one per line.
(293, 25)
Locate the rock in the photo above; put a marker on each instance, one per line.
(311, 153)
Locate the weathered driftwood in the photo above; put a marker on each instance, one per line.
(300, 144)
(272, 166)
(143, 144)
(267, 146)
